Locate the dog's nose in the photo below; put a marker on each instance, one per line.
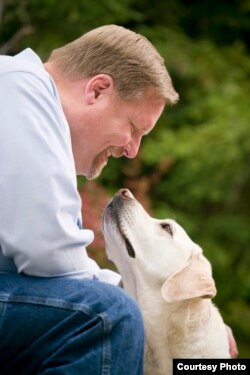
(125, 193)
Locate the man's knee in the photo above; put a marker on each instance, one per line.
(128, 315)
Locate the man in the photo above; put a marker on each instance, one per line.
(94, 98)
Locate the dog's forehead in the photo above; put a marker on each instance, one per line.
(181, 237)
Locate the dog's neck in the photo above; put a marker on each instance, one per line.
(179, 316)
(168, 325)
(154, 312)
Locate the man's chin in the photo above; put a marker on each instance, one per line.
(95, 172)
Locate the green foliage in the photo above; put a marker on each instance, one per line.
(47, 24)
(195, 165)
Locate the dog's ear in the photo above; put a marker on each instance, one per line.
(193, 281)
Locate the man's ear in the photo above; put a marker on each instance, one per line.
(193, 281)
(97, 86)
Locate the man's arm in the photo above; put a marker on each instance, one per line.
(40, 205)
(232, 343)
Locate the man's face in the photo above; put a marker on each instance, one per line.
(109, 126)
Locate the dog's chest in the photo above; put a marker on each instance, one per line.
(157, 357)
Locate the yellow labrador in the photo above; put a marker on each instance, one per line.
(171, 280)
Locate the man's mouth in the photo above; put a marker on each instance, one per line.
(115, 152)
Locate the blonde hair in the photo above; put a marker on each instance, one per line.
(129, 58)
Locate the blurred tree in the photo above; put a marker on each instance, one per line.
(224, 22)
(48, 24)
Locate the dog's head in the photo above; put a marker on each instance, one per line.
(160, 250)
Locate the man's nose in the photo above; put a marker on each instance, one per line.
(132, 148)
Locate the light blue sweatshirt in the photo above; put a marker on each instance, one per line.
(41, 230)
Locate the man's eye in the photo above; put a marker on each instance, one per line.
(133, 128)
(167, 227)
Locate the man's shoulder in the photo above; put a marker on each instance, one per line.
(24, 62)
(25, 72)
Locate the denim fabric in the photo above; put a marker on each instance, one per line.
(68, 326)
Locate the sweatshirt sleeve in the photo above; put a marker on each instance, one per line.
(40, 208)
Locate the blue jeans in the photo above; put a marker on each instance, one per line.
(68, 326)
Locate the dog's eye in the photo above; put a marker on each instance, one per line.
(167, 227)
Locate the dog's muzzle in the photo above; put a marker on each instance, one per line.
(113, 213)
